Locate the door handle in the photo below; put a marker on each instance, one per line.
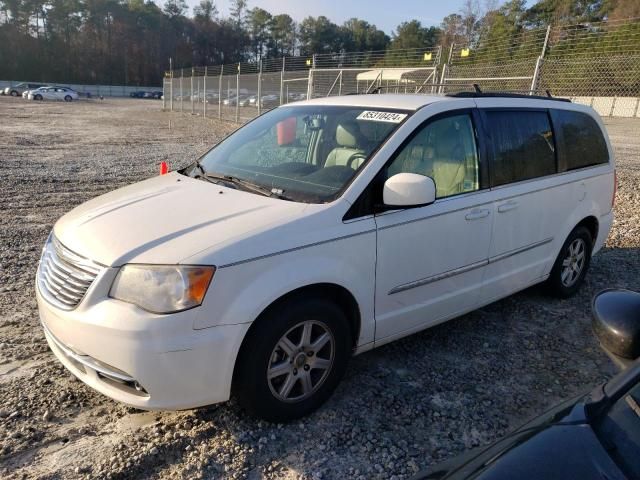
(505, 207)
(477, 213)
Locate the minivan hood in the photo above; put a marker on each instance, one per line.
(167, 219)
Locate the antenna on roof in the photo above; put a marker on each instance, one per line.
(476, 88)
(548, 92)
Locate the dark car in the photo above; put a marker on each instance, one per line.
(593, 436)
(139, 94)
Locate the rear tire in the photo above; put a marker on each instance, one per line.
(572, 264)
(279, 375)
(68, 98)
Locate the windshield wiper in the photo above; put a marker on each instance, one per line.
(200, 167)
(249, 186)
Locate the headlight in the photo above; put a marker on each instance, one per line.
(162, 288)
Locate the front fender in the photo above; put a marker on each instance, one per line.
(240, 293)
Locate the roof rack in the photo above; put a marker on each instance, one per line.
(481, 94)
(476, 93)
(421, 88)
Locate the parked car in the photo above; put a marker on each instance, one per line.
(593, 436)
(26, 93)
(270, 100)
(53, 93)
(213, 97)
(241, 100)
(332, 226)
(17, 90)
(138, 94)
(297, 97)
(245, 101)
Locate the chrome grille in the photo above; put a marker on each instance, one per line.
(64, 276)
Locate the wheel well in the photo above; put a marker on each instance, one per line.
(591, 224)
(340, 295)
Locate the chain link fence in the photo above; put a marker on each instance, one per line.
(237, 91)
(595, 63)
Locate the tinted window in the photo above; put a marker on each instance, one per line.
(583, 142)
(523, 145)
(445, 150)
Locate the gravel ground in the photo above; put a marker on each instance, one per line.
(400, 408)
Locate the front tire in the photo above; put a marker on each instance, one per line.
(37, 97)
(14, 93)
(293, 359)
(572, 264)
(67, 98)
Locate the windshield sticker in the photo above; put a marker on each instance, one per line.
(389, 117)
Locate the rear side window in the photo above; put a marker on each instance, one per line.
(523, 145)
(582, 140)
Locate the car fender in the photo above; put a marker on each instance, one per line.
(265, 280)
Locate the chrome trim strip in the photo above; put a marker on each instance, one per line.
(511, 253)
(64, 277)
(467, 268)
(240, 262)
(440, 276)
(86, 360)
(77, 260)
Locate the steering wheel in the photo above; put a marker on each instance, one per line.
(354, 157)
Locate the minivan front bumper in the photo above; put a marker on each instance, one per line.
(144, 360)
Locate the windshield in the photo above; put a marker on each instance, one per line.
(305, 153)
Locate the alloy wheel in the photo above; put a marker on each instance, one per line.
(573, 263)
(301, 361)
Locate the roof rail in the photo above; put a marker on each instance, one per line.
(477, 94)
(422, 88)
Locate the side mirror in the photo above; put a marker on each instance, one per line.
(616, 323)
(408, 190)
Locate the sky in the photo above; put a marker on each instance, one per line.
(385, 14)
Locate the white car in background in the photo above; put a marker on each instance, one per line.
(25, 94)
(53, 93)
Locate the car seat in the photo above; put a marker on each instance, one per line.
(449, 164)
(348, 152)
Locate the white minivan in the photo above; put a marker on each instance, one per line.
(319, 230)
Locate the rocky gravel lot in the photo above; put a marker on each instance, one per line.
(400, 408)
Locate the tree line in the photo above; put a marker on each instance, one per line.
(129, 42)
